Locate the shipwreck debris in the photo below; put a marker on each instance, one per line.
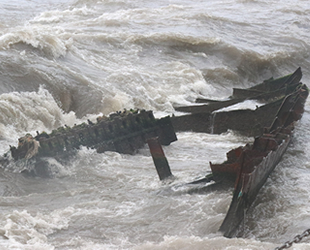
(123, 132)
(250, 166)
(211, 118)
(266, 91)
(159, 158)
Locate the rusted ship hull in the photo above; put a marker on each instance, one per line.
(248, 188)
(250, 166)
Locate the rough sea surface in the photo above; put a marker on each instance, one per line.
(64, 61)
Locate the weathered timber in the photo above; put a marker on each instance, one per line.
(247, 122)
(246, 95)
(210, 107)
(211, 119)
(159, 158)
(250, 166)
(265, 91)
(123, 132)
(199, 122)
(274, 84)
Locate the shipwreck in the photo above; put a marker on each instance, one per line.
(123, 132)
(212, 116)
(248, 167)
(281, 104)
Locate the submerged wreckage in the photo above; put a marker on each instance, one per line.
(123, 132)
(217, 117)
(248, 167)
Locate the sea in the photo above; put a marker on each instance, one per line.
(63, 62)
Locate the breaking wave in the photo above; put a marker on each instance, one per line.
(30, 111)
(26, 231)
(63, 62)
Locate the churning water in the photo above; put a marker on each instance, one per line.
(63, 62)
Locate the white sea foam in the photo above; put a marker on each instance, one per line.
(30, 111)
(247, 104)
(45, 39)
(95, 57)
(217, 243)
(26, 231)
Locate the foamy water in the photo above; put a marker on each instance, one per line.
(63, 62)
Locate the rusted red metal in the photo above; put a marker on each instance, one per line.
(251, 165)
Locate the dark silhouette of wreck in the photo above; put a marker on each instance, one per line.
(248, 167)
(123, 132)
(209, 118)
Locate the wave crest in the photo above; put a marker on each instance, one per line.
(29, 111)
(49, 41)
